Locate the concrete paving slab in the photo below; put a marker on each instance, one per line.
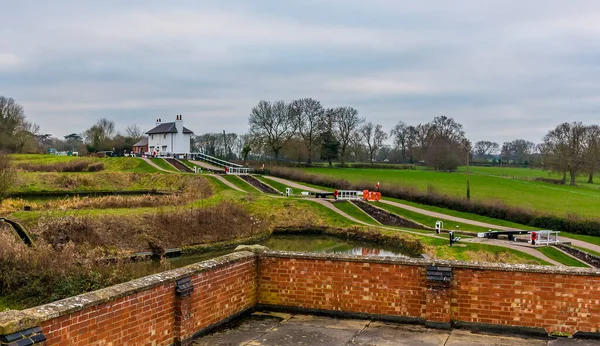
(241, 331)
(393, 334)
(303, 334)
(573, 342)
(328, 322)
(467, 338)
(270, 328)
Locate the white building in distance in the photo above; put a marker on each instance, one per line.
(169, 139)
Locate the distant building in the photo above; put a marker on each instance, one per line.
(169, 139)
(141, 147)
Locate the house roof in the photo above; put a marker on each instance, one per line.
(167, 128)
(142, 142)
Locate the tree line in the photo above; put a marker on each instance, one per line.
(305, 130)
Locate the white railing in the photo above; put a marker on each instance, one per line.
(348, 195)
(546, 237)
(237, 170)
(215, 161)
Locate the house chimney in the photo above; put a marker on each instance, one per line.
(179, 123)
(157, 122)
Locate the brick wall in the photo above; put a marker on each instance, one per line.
(555, 299)
(150, 310)
(142, 318)
(168, 308)
(389, 289)
(555, 302)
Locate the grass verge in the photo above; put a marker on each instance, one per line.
(561, 257)
(163, 164)
(355, 212)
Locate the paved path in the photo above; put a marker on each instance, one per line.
(446, 217)
(293, 184)
(226, 182)
(206, 165)
(575, 242)
(269, 328)
(503, 243)
(155, 165)
(583, 244)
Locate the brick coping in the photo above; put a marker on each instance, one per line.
(526, 268)
(15, 320)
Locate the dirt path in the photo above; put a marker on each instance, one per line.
(206, 165)
(226, 182)
(293, 185)
(155, 165)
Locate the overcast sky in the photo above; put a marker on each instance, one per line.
(504, 69)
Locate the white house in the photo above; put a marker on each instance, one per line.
(169, 138)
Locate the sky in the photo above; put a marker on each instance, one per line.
(504, 69)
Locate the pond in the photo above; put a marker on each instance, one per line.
(303, 243)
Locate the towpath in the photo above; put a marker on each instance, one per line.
(226, 182)
(293, 184)
(155, 165)
(206, 165)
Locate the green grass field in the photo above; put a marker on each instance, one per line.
(429, 220)
(163, 164)
(561, 257)
(545, 197)
(111, 164)
(274, 184)
(240, 183)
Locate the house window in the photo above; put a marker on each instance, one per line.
(152, 136)
(164, 147)
(165, 136)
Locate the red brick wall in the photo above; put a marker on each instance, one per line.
(148, 317)
(376, 288)
(555, 302)
(224, 292)
(142, 318)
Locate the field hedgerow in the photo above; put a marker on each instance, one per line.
(490, 208)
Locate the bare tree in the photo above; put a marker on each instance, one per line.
(592, 154)
(347, 123)
(483, 149)
(134, 132)
(518, 151)
(98, 136)
(16, 133)
(424, 137)
(564, 148)
(309, 115)
(403, 135)
(272, 125)
(444, 127)
(374, 136)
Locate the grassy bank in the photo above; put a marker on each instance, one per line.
(561, 257)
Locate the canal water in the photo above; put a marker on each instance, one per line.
(304, 243)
